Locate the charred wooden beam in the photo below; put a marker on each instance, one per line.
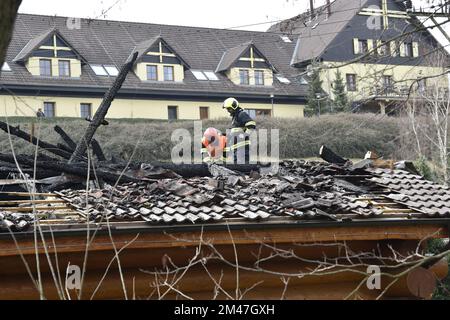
(70, 145)
(64, 147)
(66, 138)
(329, 156)
(77, 169)
(42, 144)
(97, 149)
(100, 115)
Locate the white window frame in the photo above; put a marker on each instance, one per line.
(211, 75)
(199, 75)
(53, 104)
(111, 70)
(40, 67)
(173, 73)
(260, 72)
(67, 63)
(81, 110)
(285, 80)
(99, 70)
(6, 67)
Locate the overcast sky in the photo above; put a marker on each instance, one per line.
(246, 14)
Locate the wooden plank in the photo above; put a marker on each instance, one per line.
(27, 194)
(31, 202)
(76, 243)
(399, 211)
(31, 209)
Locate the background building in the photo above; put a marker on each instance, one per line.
(381, 49)
(64, 66)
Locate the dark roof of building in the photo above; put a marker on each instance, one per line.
(143, 47)
(111, 43)
(231, 55)
(301, 192)
(328, 36)
(32, 45)
(316, 34)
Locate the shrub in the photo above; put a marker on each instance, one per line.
(350, 135)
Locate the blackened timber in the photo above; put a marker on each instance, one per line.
(97, 149)
(66, 138)
(42, 144)
(64, 147)
(100, 115)
(77, 169)
(70, 145)
(329, 156)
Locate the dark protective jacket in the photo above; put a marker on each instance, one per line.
(239, 138)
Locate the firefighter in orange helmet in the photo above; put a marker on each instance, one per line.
(214, 146)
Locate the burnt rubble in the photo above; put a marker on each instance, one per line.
(300, 191)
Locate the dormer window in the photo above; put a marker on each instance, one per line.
(64, 68)
(50, 55)
(45, 67)
(168, 73)
(152, 72)
(158, 61)
(244, 77)
(259, 77)
(246, 65)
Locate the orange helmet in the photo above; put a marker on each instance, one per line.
(211, 136)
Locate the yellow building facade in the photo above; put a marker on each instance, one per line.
(369, 78)
(23, 106)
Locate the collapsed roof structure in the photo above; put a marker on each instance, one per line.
(311, 204)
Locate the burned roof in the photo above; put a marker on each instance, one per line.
(301, 192)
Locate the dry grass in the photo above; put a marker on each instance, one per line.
(350, 135)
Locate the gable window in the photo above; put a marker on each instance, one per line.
(259, 77)
(49, 109)
(152, 73)
(86, 110)
(244, 77)
(168, 73)
(45, 67)
(50, 55)
(204, 113)
(64, 68)
(351, 82)
(172, 113)
(363, 46)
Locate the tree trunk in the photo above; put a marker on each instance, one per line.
(8, 13)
